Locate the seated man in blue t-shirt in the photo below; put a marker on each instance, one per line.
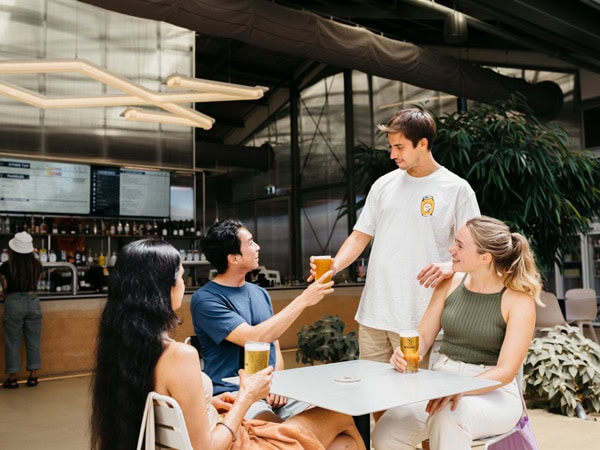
(227, 312)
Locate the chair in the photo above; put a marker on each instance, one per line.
(550, 315)
(163, 425)
(273, 276)
(479, 444)
(581, 308)
(484, 443)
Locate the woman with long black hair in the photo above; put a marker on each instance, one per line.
(135, 355)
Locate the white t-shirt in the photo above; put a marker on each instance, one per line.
(414, 222)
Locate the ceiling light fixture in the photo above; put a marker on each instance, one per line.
(198, 90)
(455, 28)
(145, 115)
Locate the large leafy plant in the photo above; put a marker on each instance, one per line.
(523, 172)
(563, 367)
(325, 341)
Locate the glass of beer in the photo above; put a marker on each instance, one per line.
(323, 263)
(256, 356)
(409, 344)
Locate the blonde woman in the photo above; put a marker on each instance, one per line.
(487, 312)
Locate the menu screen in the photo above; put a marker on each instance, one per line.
(144, 193)
(105, 191)
(129, 192)
(44, 187)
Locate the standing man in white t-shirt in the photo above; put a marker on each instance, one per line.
(412, 215)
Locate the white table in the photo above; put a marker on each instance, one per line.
(361, 387)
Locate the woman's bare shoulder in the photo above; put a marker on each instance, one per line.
(179, 363)
(179, 350)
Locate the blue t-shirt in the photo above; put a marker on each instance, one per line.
(216, 311)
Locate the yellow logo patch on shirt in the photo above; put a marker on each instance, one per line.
(427, 205)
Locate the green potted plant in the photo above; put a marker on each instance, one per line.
(523, 172)
(562, 368)
(521, 169)
(325, 342)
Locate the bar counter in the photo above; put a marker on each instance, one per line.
(70, 325)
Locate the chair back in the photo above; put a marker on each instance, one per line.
(163, 425)
(580, 304)
(550, 315)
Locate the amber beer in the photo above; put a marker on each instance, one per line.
(256, 356)
(409, 344)
(323, 264)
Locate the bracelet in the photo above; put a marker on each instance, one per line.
(233, 435)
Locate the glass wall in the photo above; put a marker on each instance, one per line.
(323, 175)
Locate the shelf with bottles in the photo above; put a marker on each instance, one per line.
(91, 226)
(71, 234)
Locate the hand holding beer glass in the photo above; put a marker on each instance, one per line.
(256, 356)
(323, 263)
(409, 345)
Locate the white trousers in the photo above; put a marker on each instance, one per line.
(476, 416)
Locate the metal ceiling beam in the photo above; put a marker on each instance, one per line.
(520, 40)
(267, 25)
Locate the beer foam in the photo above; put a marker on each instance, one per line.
(256, 346)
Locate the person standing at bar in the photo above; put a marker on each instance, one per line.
(22, 310)
(411, 216)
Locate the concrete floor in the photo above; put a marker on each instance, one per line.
(55, 415)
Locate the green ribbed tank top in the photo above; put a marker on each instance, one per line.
(473, 326)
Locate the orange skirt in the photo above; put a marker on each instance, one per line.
(258, 434)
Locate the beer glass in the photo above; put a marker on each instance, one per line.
(323, 263)
(409, 344)
(256, 356)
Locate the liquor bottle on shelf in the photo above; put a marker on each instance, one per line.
(43, 226)
(165, 228)
(126, 229)
(78, 257)
(102, 259)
